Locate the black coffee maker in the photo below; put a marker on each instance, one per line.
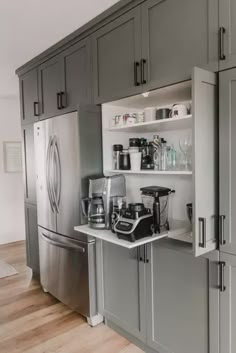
(156, 198)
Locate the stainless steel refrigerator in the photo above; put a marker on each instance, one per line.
(68, 150)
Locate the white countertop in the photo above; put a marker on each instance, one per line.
(177, 228)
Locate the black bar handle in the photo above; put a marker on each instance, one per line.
(222, 230)
(36, 108)
(222, 276)
(146, 260)
(222, 45)
(202, 232)
(62, 100)
(136, 66)
(58, 101)
(143, 80)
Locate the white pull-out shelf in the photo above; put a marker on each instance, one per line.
(177, 228)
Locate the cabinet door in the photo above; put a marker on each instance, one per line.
(227, 161)
(227, 20)
(116, 50)
(176, 36)
(29, 97)
(29, 166)
(32, 244)
(182, 301)
(205, 161)
(51, 86)
(77, 70)
(228, 305)
(123, 289)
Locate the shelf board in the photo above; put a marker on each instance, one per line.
(150, 172)
(186, 237)
(178, 227)
(181, 123)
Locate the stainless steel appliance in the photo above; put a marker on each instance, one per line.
(67, 152)
(99, 206)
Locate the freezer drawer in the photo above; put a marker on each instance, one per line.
(67, 271)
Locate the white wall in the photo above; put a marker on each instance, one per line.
(11, 184)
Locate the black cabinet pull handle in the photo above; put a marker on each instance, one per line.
(62, 100)
(58, 101)
(136, 65)
(222, 45)
(202, 232)
(222, 276)
(36, 108)
(143, 80)
(222, 230)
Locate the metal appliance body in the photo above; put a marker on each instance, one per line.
(67, 153)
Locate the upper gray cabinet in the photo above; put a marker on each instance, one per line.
(51, 87)
(77, 75)
(116, 57)
(227, 161)
(29, 97)
(176, 36)
(227, 19)
(156, 44)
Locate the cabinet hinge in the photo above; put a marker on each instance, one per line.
(222, 286)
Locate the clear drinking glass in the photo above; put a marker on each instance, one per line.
(185, 145)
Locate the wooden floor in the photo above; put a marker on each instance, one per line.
(34, 322)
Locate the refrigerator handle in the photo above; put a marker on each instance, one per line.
(58, 174)
(48, 173)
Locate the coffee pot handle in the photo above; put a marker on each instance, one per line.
(85, 206)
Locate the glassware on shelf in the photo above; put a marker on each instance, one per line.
(185, 145)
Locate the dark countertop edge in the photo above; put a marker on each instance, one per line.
(87, 29)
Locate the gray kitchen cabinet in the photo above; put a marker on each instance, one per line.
(29, 97)
(123, 289)
(182, 301)
(227, 161)
(28, 162)
(32, 244)
(227, 23)
(77, 75)
(176, 36)
(116, 57)
(51, 88)
(228, 303)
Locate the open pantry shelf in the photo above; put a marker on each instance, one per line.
(180, 123)
(150, 172)
(177, 228)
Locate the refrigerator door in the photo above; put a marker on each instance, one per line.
(43, 137)
(67, 271)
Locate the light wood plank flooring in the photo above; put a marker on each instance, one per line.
(34, 322)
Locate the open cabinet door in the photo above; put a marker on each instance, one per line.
(205, 161)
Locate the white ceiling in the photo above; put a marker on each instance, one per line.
(27, 27)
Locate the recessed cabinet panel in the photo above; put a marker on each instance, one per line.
(51, 85)
(227, 18)
(182, 301)
(227, 161)
(176, 36)
(228, 304)
(29, 97)
(116, 48)
(123, 288)
(32, 244)
(77, 66)
(29, 164)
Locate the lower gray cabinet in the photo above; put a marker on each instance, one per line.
(182, 301)
(32, 244)
(123, 289)
(167, 298)
(228, 304)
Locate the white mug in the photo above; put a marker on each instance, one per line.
(178, 110)
(135, 160)
(150, 114)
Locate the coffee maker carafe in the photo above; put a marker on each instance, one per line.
(98, 207)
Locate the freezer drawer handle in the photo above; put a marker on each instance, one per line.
(61, 245)
(202, 232)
